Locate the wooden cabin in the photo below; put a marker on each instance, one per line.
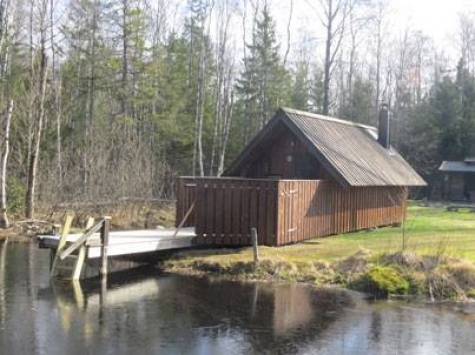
(302, 176)
(457, 180)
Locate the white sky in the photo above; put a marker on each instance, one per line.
(437, 19)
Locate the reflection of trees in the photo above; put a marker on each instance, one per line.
(187, 314)
(150, 314)
(3, 257)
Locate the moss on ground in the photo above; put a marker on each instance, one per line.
(383, 281)
(381, 275)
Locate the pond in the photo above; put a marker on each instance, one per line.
(142, 312)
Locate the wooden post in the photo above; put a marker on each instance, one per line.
(62, 243)
(255, 246)
(81, 254)
(104, 243)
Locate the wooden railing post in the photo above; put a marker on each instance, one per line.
(104, 244)
(255, 246)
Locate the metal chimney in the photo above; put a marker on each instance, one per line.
(383, 126)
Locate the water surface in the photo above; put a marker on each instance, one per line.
(146, 313)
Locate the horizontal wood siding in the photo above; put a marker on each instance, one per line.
(226, 209)
(309, 209)
(283, 211)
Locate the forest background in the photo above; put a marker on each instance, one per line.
(103, 100)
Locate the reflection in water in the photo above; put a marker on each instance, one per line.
(147, 314)
(375, 327)
(3, 304)
(265, 318)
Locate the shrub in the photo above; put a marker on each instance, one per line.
(386, 280)
(463, 273)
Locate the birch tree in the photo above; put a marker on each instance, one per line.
(6, 9)
(5, 151)
(39, 82)
(334, 17)
(223, 96)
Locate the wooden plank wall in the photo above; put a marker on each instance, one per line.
(226, 209)
(283, 211)
(309, 209)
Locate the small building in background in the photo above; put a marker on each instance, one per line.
(303, 176)
(458, 180)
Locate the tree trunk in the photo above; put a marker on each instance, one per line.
(33, 164)
(200, 113)
(227, 115)
(4, 223)
(328, 63)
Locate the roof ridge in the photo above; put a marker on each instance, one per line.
(326, 118)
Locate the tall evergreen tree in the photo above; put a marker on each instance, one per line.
(301, 86)
(264, 83)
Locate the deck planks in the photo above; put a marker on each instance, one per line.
(123, 243)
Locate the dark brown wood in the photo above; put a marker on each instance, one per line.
(283, 211)
(254, 240)
(104, 245)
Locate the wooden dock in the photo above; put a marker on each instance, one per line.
(71, 252)
(128, 242)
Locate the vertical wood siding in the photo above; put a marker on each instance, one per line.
(309, 209)
(283, 211)
(226, 209)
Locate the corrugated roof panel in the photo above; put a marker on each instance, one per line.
(351, 151)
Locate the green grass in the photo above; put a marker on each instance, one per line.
(427, 230)
(437, 261)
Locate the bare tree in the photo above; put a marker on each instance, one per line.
(39, 92)
(5, 38)
(6, 123)
(334, 17)
(358, 21)
(380, 23)
(201, 24)
(223, 89)
(467, 41)
(288, 32)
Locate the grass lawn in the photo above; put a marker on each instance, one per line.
(427, 230)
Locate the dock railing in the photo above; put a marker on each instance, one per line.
(80, 244)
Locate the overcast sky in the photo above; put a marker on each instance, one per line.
(437, 19)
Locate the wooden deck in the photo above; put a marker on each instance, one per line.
(88, 254)
(123, 243)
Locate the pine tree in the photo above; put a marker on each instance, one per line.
(301, 86)
(264, 84)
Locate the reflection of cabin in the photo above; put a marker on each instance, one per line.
(302, 176)
(458, 183)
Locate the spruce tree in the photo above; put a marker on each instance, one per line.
(264, 83)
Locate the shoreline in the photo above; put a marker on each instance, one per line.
(431, 278)
(21, 232)
(428, 278)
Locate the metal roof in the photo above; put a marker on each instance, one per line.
(349, 151)
(457, 167)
